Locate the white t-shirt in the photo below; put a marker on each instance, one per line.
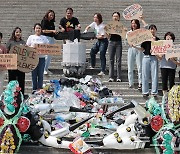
(34, 39)
(99, 29)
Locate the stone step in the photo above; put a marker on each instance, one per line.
(25, 149)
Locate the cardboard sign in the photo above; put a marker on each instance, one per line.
(174, 52)
(8, 62)
(115, 27)
(27, 58)
(161, 46)
(133, 12)
(139, 36)
(48, 49)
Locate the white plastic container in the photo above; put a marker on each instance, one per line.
(74, 53)
(74, 59)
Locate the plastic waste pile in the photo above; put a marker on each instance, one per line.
(81, 114)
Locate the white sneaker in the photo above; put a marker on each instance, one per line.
(101, 73)
(90, 67)
(110, 80)
(45, 72)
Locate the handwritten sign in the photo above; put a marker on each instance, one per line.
(174, 52)
(133, 12)
(27, 58)
(8, 62)
(48, 49)
(139, 36)
(115, 27)
(161, 46)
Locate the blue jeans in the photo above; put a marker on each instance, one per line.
(149, 68)
(48, 57)
(115, 48)
(101, 45)
(37, 74)
(134, 56)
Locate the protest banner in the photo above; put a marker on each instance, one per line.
(27, 58)
(8, 62)
(174, 52)
(115, 27)
(48, 49)
(133, 12)
(160, 47)
(139, 36)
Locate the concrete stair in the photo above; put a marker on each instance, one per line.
(25, 13)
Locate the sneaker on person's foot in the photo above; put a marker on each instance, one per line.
(145, 95)
(140, 87)
(119, 80)
(110, 80)
(45, 72)
(101, 73)
(154, 95)
(91, 67)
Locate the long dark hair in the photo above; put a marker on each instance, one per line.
(46, 15)
(99, 16)
(137, 23)
(13, 38)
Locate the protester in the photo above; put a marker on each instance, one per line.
(168, 67)
(16, 39)
(69, 23)
(48, 29)
(135, 56)
(115, 48)
(2, 72)
(149, 66)
(37, 73)
(101, 44)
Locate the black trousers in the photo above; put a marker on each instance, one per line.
(167, 75)
(19, 76)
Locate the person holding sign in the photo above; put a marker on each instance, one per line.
(48, 29)
(101, 44)
(2, 72)
(135, 56)
(115, 48)
(16, 39)
(168, 68)
(149, 66)
(37, 73)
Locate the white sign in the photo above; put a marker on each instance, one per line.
(160, 47)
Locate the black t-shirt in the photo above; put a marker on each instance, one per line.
(115, 37)
(147, 46)
(69, 24)
(48, 25)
